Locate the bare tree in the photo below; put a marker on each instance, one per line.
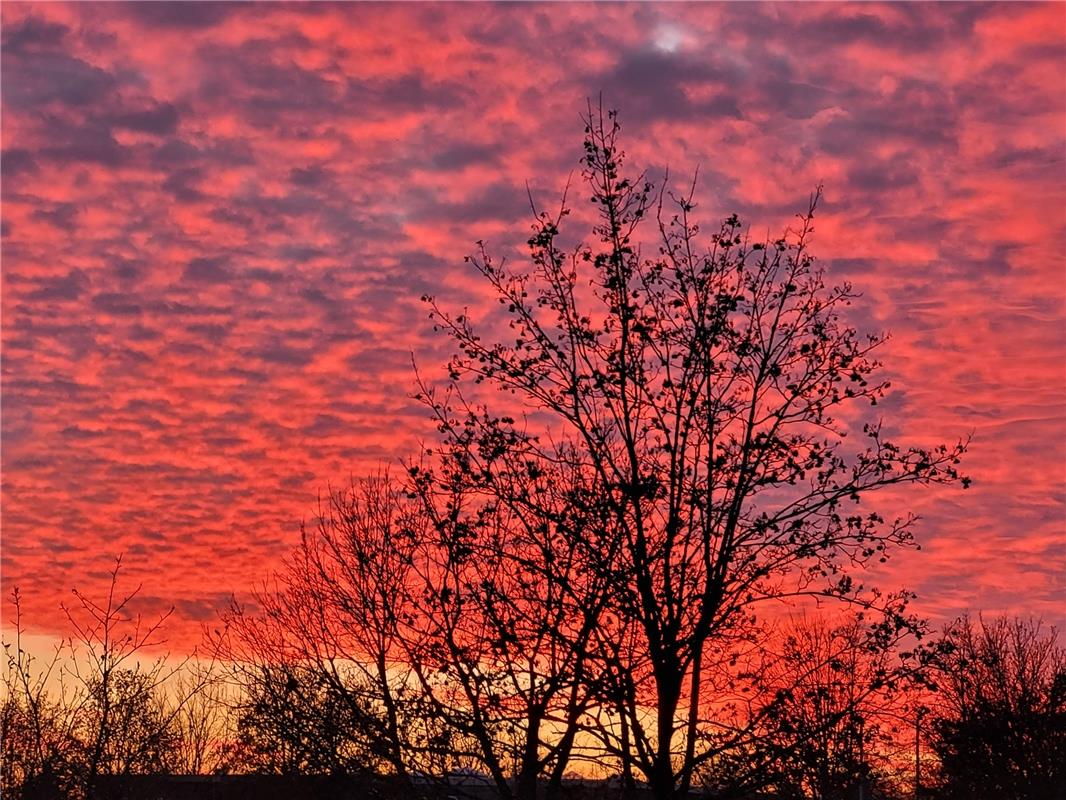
(453, 640)
(99, 706)
(696, 392)
(199, 702)
(582, 576)
(999, 723)
(511, 611)
(122, 723)
(40, 751)
(822, 708)
(325, 637)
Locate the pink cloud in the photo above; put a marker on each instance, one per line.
(218, 222)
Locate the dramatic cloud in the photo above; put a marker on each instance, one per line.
(219, 219)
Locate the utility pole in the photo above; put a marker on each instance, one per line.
(917, 752)
(862, 760)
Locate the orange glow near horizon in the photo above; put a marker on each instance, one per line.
(218, 221)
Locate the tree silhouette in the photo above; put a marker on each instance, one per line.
(511, 611)
(578, 573)
(692, 401)
(448, 653)
(1000, 724)
(40, 751)
(324, 647)
(295, 720)
(825, 700)
(97, 707)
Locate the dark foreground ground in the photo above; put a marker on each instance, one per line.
(280, 787)
(313, 787)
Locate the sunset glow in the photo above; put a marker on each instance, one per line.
(218, 221)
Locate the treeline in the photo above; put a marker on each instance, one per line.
(649, 448)
(100, 705)
(985, 717)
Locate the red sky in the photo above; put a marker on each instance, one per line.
(218, 221)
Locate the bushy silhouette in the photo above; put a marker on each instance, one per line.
(1000, 727)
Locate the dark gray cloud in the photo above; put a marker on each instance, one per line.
(879, 175)
(34, 80)
(63, 216)
(183, 184)
(283, 354)
(33, 33)
(81, 142)
(207, 270)
(66, 287)
(411, 92)
(650, 84)
(915, 113)
(116, 303)
(499, 200)
(460, 154)
(310, 177)
(17, 161)
(160, 119)
(182, 15)
(795, 99)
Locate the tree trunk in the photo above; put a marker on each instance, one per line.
(529, 771)
(662, 777)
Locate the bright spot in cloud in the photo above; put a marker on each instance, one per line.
(667, 38)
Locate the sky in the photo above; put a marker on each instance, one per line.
(218, 221)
